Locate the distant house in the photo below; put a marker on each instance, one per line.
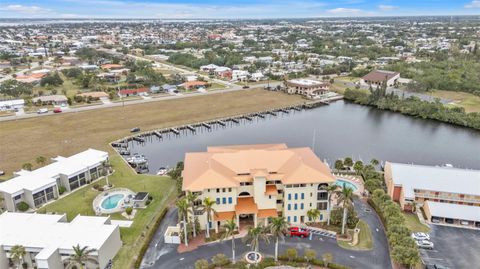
(194, 84)
(89, 67)
(223, 72)
(15, 104)
(132, 92)
(33, 78)
(378, 77)
(306, 87)
(258, 76)
(208, 67)
(169, 88)
(111, 66)
(51, 100)
(138, 52)
(240, 75)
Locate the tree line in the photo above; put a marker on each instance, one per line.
(413, 106)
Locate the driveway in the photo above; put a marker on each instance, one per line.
(453, 247)
(160, 255)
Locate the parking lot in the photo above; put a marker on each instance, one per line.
(453, 247)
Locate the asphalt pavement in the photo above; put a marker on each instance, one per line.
(160, 255)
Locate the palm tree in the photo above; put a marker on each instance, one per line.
(208, 206)
(345, 196)
(374, 162)
(230, 228)
(331, 189)
(106, 170)
(278, 227)
(81, 255)
(183, 210)
(254, 235)
(17, 253)
(191, 197)
(313, 214)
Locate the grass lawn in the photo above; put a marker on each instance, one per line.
(217, 86)
(364, 238)
(470, 102)
(162, 189)
(412, 222)
(347, 78)
(69, 133)
(338, 87)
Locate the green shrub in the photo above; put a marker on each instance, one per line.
(129, 210)
(220, 260)
(22, 206)
(61, 190)
(147, 202)
(317, 262)
(291, 254)
(337, 266)
(149, 236)
(96, 186)
(310, 254)
(201, 264)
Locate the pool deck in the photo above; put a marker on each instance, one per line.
(97, 202)
(354, 180)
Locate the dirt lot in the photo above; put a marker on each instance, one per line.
(65, 134)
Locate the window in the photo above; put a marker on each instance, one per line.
(322, 206)
(229, 189)
(301, 206)
(311, 194)
(229, 200)
(279, 202)
(223, 190)
(303, 195)
(218, 201)
(224, 200)
(18, 197)
(322, 195)
(218, 190)
(269, 197)
(295, 206)
(289, 196)
(294, 218)
(289, 206)
(288, 218)
(296, 196)
(321, 217)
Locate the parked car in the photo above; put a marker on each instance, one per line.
(420, 236)
(424, 244)
(42, 111)
(134, 130)
(246, 87)
(296, 231)
(2, 173)
(57, 110)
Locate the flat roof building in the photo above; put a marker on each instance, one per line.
(306, 87)
(377, 77)
(49, 239)
(42, 185)
(440, 186)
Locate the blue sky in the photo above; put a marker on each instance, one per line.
(185, 9)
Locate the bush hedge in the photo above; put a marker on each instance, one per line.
(148, 238)
(22, 206)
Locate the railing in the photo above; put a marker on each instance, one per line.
(444, 197)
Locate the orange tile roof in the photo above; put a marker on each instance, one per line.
(271, 190)
(246, 205)
(230, 165)
(111, 66)
(267, 213)
(221, 216)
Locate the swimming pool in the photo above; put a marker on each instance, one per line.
(111, 202)
(341, 183)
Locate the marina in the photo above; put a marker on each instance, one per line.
(334, 131)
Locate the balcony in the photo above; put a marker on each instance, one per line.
(446, 197)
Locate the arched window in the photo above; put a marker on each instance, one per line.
(244, 193)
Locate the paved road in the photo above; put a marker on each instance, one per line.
(160, 255)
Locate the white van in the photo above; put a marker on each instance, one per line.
(42, 111)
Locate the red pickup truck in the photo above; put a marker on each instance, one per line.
(296, 231)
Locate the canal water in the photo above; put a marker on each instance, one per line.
(335, 131)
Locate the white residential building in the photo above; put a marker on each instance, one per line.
(42, 185)
(49, 239)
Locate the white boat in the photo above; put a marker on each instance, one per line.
(162, 171)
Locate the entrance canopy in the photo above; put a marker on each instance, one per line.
(246, 205)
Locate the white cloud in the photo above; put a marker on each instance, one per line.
(25, 9)
(387, 7)
(342, 10)
(473, 4)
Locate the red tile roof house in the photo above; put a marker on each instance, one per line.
(377, 77)
(132, 92)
